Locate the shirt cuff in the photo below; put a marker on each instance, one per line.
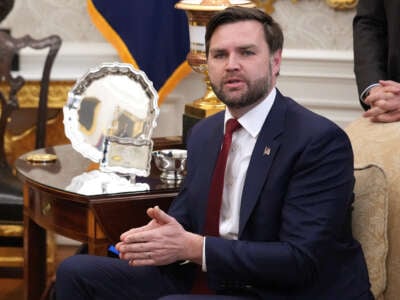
(203, 260)
(365, 93)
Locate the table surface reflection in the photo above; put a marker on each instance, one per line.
(69, 164)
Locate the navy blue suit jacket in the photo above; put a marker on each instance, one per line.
(295, 235)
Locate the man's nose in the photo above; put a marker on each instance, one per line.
(232, 62)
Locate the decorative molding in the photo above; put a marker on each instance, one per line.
(322, 81)
(342, 4)
(28, 96)
(73, 60)
(268, 5)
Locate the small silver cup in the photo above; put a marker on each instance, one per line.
(171, 163)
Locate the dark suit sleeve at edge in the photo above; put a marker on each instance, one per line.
(370, 44)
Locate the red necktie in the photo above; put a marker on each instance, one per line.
(215, 200)
(217, 183)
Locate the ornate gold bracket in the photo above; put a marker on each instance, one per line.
(342, 4)
(28, 97)
(268, 5)
(29, 94)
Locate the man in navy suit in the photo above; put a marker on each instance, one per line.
(377, 58)
(284, 226)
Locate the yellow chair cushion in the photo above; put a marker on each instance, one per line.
(370, 222)
(378, 144)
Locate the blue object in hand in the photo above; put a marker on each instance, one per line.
(113, 251)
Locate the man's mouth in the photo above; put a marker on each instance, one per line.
(234, 83)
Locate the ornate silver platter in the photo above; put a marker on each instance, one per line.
(109, 118)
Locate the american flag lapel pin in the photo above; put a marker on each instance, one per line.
(267, 151)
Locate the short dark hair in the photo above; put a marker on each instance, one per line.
(272, 31)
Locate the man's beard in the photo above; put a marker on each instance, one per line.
(256, 91)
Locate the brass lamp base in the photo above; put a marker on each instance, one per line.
(202, 112)
(197, 111)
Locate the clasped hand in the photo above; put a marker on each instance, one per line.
(162, 241)
(384, 100)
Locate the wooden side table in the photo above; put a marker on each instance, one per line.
(96, 220)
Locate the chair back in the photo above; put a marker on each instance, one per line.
(378, 144)
(9, 47)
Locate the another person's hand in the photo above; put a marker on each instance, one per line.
(162, 241)
(384, 100)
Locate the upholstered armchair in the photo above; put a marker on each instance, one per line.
(376, 217)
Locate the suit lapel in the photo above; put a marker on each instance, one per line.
(210, 154)
(266, 147)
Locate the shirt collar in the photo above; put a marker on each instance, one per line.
(253, 120)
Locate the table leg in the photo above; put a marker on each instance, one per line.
(34, 259)
(97, 241)
(98, 249)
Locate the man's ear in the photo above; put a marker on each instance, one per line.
(276, 60)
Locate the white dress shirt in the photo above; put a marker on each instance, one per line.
(243, 142)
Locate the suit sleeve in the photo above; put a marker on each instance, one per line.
(314, 226)
(370, 44)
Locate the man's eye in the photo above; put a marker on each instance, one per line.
(219, 55)
(247, 53)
